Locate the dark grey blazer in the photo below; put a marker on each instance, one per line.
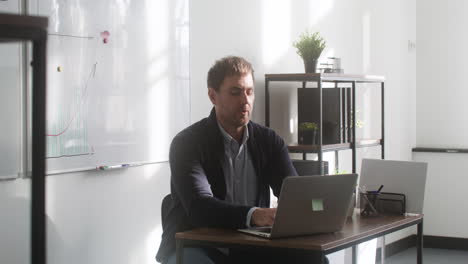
(198, 185)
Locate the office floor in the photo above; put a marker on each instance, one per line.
(430, 256)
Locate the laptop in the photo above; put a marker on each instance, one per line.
(310, 205)
(396, 176)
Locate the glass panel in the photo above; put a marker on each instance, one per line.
(15, 190)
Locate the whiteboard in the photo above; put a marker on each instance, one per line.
(117, 80)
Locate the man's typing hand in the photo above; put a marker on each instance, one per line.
(263, 217)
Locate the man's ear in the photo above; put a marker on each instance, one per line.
(212, 95)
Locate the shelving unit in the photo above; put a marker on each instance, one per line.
(17, 28)
(339, 81)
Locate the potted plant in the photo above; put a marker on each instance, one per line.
(309, 47)
(308, 133)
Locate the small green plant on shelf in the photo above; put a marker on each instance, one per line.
(308, 133)
(309, 46)
(359, 122)
(339, 172)
(308, 126)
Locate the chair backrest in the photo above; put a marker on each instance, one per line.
(165, 207)
(309, 167)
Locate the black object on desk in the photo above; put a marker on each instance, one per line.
(375, 203)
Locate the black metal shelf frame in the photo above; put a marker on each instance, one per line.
(321, 78)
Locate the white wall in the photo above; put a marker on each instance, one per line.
(92, 217)
(441, 110)
(441, 91)
(15, 221)
(444, 202)
(106, 217)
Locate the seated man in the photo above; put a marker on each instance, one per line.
(222, 168)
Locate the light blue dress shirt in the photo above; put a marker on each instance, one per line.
(239, 172)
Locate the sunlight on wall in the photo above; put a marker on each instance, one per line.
(366, 252)
(292, 125)
(366, 43)
(276, 27)
(152, 242)
(15, 221)
(366, 115)
(158, 78)
(153, 171)
(330, 157)
(318, 10)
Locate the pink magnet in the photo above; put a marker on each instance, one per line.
(105, 36)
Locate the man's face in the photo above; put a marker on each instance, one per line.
(234, 100)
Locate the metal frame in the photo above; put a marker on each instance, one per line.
(349, 108)
(353, 124)
(382, 95)
(14, 28)
(350, 103)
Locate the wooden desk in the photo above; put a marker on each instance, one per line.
(356, 230)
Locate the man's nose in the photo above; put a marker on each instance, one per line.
(244, 98)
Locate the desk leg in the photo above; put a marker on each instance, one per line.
(419, 243)
(382, 251)
(354, 254)
(322, 258)
(179, 251)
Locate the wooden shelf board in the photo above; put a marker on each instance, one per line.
(325, 77)
(361, 143)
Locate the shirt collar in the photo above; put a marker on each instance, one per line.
(227, 138)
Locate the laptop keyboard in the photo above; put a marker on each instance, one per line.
(264, 230)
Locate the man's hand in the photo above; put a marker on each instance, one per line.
(263, 217)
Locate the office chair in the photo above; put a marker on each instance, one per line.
(165, 208)
(309, 167)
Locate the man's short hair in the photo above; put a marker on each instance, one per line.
(227, 66)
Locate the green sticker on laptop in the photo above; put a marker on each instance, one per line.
(317, 205)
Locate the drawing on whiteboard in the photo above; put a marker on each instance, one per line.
(68, 135)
